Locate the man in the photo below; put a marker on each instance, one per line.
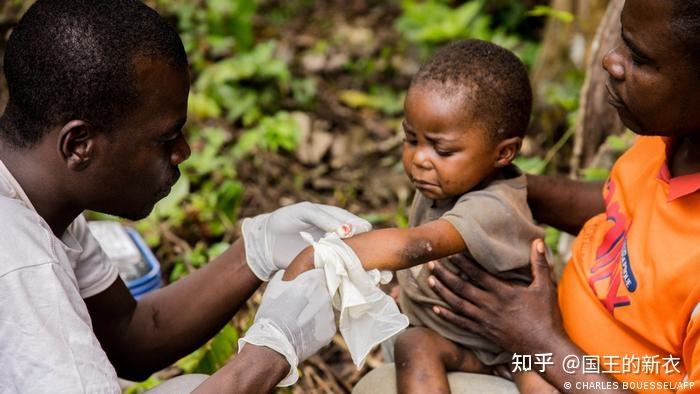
(98, 98)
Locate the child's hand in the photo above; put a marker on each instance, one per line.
(302, 263)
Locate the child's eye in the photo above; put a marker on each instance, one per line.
(443, 153)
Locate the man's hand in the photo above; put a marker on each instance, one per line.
(295, 319)
(520, 319)
(272, 240)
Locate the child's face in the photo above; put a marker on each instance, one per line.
(653, 83)
(445, 154)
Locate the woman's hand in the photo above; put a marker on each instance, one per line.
(520, 319)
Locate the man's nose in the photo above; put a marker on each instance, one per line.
(181, 152)
(613, 64)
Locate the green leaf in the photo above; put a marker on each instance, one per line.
(551, 237)
(530, 165)
(202, 106)
(280, 131)
(543, 10)
(217, 249)
(214, 354)
(381, 99)
(144, 386)
(170, 206)
(434, 22)
(595, 174)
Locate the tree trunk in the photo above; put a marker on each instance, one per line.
(565, 51)
(596, 118)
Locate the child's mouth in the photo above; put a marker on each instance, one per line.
(424, 185)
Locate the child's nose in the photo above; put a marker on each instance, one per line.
(421, 159)
(612, 63)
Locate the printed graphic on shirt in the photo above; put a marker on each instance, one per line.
(613, 266)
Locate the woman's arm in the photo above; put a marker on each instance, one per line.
(393, 249)
(562, 202)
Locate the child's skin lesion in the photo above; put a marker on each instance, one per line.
(393, 249)
(416, 253)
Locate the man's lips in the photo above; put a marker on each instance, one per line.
(170, 182)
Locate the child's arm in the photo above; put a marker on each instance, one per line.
(393, 249)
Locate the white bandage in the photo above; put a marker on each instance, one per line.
(368, 316)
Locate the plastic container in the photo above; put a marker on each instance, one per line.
(125, 248)
(152, 279)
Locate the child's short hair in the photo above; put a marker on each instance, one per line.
(492, 80)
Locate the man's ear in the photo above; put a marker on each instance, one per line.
(76, 144)
(507, 150)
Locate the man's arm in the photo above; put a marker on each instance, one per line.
(145, 336)
(562, 202)
(140, 338)
(393, 249)
(256, 369)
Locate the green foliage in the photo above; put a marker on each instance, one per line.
(246, 86)
(543, 10)
(530, 165)
(551, 237)
(566, 93)
(144, 386)
(212, 28)
(595, 174)
(614, 145)
(213, 355)
(276, 132)
(431, 23)
(620, 143)
(380, 98)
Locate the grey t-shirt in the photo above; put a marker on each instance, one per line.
(497, 227)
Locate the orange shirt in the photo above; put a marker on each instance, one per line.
(631, 292)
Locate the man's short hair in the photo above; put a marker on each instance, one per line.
(492, 81)
(74, 59)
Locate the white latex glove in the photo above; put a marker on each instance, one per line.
(272, 240)
(295, 319)
(368, 316)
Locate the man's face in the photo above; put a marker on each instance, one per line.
(653, 83)
(445, 154)
(142, 155)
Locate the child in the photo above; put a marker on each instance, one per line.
(466, 112)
